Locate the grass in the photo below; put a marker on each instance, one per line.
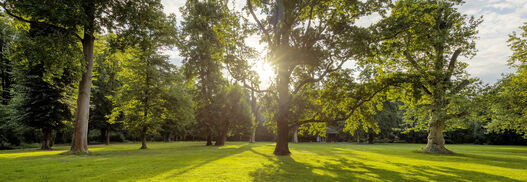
(241, 161)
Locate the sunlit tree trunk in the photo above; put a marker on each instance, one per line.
(436, 125)
(295, 134)
(80, 134)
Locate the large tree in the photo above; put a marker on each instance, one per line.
(309, 39)
(425, 39)
(86, 18)
(211, 38)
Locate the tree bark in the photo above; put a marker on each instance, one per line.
(80, 134)
(282, 145)
(220, 139)
(107, 135)
(143, 139)
(253, 135)
(47, 135)
(436, 125)
(209, 140)
(371, 137)
(295, 134)
(358, 136)
(436, 141)
(255, 114)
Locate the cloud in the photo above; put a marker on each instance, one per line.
(500, 18)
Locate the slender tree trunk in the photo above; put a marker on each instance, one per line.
(295, 134)
(47, 135)
(107, 135)
(80, 134)
(253, 135)
(143, 139)
(209, 140)
(282, 145)
(358, 136)
(255, 114)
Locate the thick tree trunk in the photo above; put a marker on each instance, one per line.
(282, 140)
(436, 142)
(143, 141)
(47, 135)
(209, 140)
(295, 134)
(371, 137)
(220, 139)
(107, 135)
(80, 134)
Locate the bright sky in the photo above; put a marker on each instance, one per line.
(500, 18)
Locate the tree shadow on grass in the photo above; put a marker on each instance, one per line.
(123, 164)
(285, 168)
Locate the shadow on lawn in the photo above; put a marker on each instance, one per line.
(285, 168)
(129, 164)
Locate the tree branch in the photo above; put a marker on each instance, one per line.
(452, 64)
(266, 33)
(19, 18)
(412, 60)
(459, 87)
(353, 109)
(309, 80)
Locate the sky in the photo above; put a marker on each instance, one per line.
(500, 18)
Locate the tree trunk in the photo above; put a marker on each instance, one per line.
(371, 137)
(47, 135)
(209, 140)
(436, 125)
(436, 142)
(282, 140)
(220, 139)
(358, 136)
(295, 134)
(143, 141)
(107, 135)
(80, 134)
(253, 135)
(255, 114)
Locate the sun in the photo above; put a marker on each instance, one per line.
(266, 72)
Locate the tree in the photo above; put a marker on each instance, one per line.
(179, 108)
(235, 114)
(311, 38)
(105, 86)
(42, 86)
(425, 39)
(211, 37)
(84, 19)
(508, 109)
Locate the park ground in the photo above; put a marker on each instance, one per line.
(241, 161)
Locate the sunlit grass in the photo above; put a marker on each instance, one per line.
(241, 161)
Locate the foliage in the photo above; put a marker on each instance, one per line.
(509, 97)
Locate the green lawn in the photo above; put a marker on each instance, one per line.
(240, 161)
